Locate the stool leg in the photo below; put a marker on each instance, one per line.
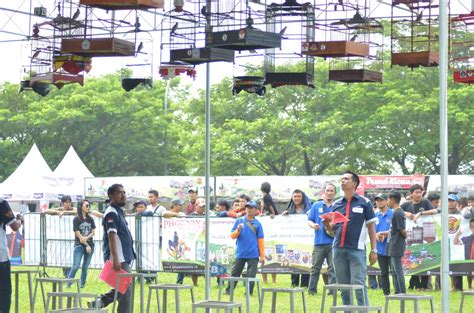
(274, 301)
(386, 305)
(304, 302)
(192, 294)
(142, 294)
(258, 290)
(165, 300)
(30, 293)
(194, 309)
(323, 300)
(46, 310)
(292, 303)
(177, 300)
(432, 306)
(219, 297)
(148, 301)
(415, 305)
(352, 292)
(158, 300)
(247, 296)
(16, 290)
(260, 307)
(402, 306)
(461, 305)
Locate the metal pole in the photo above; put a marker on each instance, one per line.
(207, 272)
(165, 113)
(443, 133)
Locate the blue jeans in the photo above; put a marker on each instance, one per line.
(78, 254)
(350, 267)
(397, 275)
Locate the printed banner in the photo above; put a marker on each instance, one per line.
(288, 249)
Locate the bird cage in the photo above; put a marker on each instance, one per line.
(102, 34)
(138, 70)
(182, 41)
(49, 65)
(414, 33)
(239, 26)
(124, 4)
(294, 22)
(350, 39)
(462, 47)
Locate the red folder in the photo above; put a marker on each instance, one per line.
(109, 276)
(334, 217)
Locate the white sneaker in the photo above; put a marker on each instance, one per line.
(96, 304)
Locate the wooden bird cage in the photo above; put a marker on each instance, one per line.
(239, 26)
(462, 47)
(414, 37)
(350, 39)
(183, 40)
(103, 33)
(295, 24)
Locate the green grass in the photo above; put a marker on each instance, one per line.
(313, 303)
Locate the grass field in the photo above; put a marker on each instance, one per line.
(313, 303)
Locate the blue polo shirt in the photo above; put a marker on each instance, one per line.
(383, 224)
(355, 233)
(320, 236)
(114, 221)
(247, 241)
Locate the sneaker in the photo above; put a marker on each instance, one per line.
(95, 304)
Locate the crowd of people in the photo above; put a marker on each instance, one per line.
(342, 229)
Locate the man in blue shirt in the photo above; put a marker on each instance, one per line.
(248, 233)
(382, 229)
(118, 246)
(322, 241)
(349, 255)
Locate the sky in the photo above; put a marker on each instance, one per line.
(15, 50)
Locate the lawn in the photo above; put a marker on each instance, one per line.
(95, 286)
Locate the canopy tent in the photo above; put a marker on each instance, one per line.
(70, 174)
(32, 180)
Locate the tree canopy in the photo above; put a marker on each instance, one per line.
(292, 130)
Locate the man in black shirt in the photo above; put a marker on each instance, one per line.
(396, 243)
(413, 209)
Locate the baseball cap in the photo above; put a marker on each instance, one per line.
(201, 202)
(251, 204)
(453, 197)
(192, 189)
(138, 202)
(381, 196)
(177, 201)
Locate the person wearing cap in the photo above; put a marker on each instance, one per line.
(250, 249)
(193, 195)
(416, 207)
(453, 204)
(382, 228)
(139, 208)
(397, 244)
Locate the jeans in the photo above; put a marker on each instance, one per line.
(373, 284)
(238, 268)
(78, 254)
(397, 275)
(321, 252)
(5, 287)
(350, 266)
(124, 300)
(384, 264)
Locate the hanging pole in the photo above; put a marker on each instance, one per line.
(207, 272)
(443, 148)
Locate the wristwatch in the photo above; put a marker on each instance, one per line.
(373, 251)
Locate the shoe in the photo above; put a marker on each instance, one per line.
(330, 293)
(312, 293)
(227, 292)
(95, 304)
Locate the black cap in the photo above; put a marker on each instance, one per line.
(381, 196)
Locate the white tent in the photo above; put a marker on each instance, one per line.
(70, 174)
(32, 180)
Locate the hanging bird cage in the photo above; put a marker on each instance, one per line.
(138, 70)
(124, 4)
(279, 18)
(182, 41)
(414, 35)
(102, 33)
(48, 64)
(239, 25)
(462, 47)
(350, 39)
